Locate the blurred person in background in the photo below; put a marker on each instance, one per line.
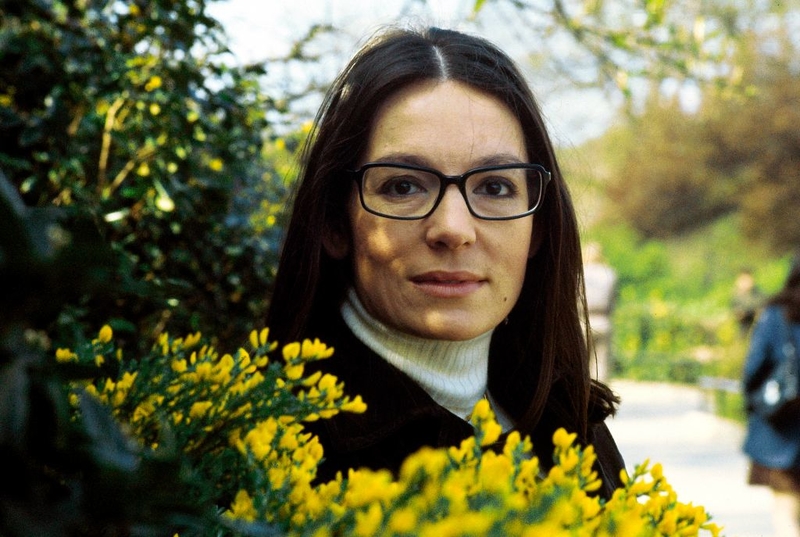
(747, 300)
(774, 450)
(601, 292)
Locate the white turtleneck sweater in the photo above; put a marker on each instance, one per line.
(453, 373)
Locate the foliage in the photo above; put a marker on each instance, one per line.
(614, 44)
(736, 155)
(236, 420)
(59, 474)
(690, 198)
(729, 405)
(673, 319)
(676, 190)
(129, 115)
(758, 140)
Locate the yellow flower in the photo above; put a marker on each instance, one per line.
(427, 460)
(293, 372)
(221, 371)
(153, 84)
(495, 473)
(259, 439)
(527, 478)
(624, 477)
(291, 351)
(65, 355)
(200, 408)
(277, 476)
(289, 442)
(456, 491)
(569, 460)
(657, 471)
(330, 387)
(403, 520)
(366, 487)
(204, 371)
(315, 349)
(368, 522)
(313, 379)
(254, 339)
(464, 451)
(105, 334)
(562, 439)
(356, 406)
(242, 507)
(471, 523)
(143, 411)
(482, 411)
(192, 340)
(491, 432)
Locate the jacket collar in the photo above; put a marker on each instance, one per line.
(393, 399)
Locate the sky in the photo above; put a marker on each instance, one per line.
(262, 29)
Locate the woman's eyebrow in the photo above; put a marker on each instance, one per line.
(403, 158)
(501, 158)
(418, 160)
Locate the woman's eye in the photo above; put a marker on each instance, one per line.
(401, 187)
(496, 187)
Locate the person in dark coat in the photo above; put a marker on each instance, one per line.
(774, 449)
(434, 244)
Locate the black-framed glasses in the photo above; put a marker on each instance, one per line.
(409, 192)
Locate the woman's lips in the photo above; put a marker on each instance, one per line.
(448, 284)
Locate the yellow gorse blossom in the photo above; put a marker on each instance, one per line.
(242, 406)
(105, 334)
(65, 355)
(242, 507)
(153, 83)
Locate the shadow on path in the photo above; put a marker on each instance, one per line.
(699, 451)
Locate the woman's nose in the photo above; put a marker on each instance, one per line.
(451, 225)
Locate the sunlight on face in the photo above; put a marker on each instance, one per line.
(450, 275)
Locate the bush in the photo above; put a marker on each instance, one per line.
(230, 429)
(673, 319)
(128, 115)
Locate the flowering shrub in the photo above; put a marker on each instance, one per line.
(237, 420)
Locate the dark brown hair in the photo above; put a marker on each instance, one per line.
(539, 359)
(789, 295)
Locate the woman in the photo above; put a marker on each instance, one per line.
(774, 450)
(434, 245)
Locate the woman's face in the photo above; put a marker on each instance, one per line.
(448, 276)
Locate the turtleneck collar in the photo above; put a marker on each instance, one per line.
(453, 373)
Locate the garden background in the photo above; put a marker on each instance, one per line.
(146, 170)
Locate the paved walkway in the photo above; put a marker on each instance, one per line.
(700, 453)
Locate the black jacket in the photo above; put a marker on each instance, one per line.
(401, 417)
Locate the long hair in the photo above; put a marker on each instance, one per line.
(539, 361)
(789, 295)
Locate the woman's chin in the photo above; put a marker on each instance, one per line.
(451, 330)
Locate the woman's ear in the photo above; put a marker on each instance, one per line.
(537, 237)
(335, 242)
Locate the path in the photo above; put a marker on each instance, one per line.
(700, 453)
